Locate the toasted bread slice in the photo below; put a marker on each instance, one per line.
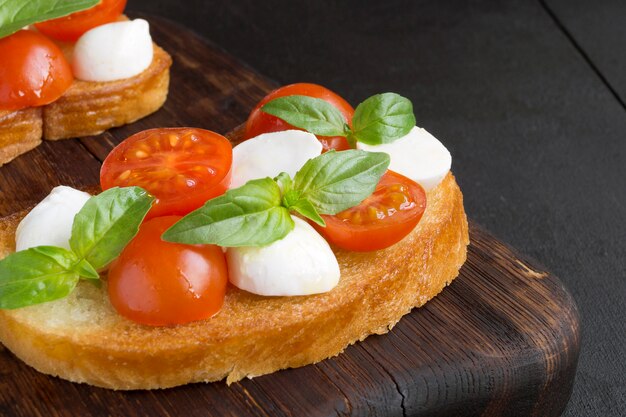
(81, 338)
(20, 131)
(86, 108)
(90, 108)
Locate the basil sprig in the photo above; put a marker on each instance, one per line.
(101, 229)
(380, 119)
(107, 222)
(311, 114)
(336, 181)
(257, 213)
(250, 215)
(15, 14)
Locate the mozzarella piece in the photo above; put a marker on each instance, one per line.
(301, 263)
(49, 223)
(418, 156)
(113, 51)
(269, 154)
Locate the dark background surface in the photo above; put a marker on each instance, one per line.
(527, 95)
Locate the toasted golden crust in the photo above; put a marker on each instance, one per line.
(86, 108)
(82, 339)
(20, 131)
(90, 108)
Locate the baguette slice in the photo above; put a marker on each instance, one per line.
(82, 339)
(86, 108)
(20, 131)
(89, 108)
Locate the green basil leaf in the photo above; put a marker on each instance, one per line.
(250, 215)
(36, 275)
(15, 14)
(284, 181)
(85, 270)
(382, 118)
(305, 208)
(293, 202)
(107, 222)
(336, 181)
(314, 115)
(290, 198)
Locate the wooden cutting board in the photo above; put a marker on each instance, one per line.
(503, 339)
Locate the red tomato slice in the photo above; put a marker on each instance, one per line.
(33, 71)
(181, 167)
(260, 122)
(382, 219)
(70, 28)
(158, 283)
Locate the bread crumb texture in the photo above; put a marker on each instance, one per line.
(81, 338)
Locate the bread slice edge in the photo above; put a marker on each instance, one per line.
(254, 335)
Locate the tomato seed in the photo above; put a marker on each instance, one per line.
(373, 213)
(397, 199)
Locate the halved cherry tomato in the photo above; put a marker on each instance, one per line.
(70, 28)
(181, 167)
(159, 283)
(260, 122)
(33, 71)
(382, 219)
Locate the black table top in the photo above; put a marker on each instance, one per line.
(527, 95)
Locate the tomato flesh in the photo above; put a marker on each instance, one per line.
(33, 71)
(260, 122)
(181, 167)
(70, 28)
(158, 283)
(382, 219)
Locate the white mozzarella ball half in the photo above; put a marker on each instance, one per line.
(49, 223)
(301, 263)
(418, 156)
(269, 154)
(113, 51)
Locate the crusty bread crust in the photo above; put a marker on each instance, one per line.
(86, 108)
(82, 339)
(90, 108)
(20, 131)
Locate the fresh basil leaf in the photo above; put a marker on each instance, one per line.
(293, 202)
(305, 208)
(36, 275)
(15, 14)
(250, 215)
(314, 115)
(107, 222)
(85, 270)
(284, 181)
(382, 118)
(336, 181)
(290, 198)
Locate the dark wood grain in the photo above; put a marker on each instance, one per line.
(209, 89)
(503, 339)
